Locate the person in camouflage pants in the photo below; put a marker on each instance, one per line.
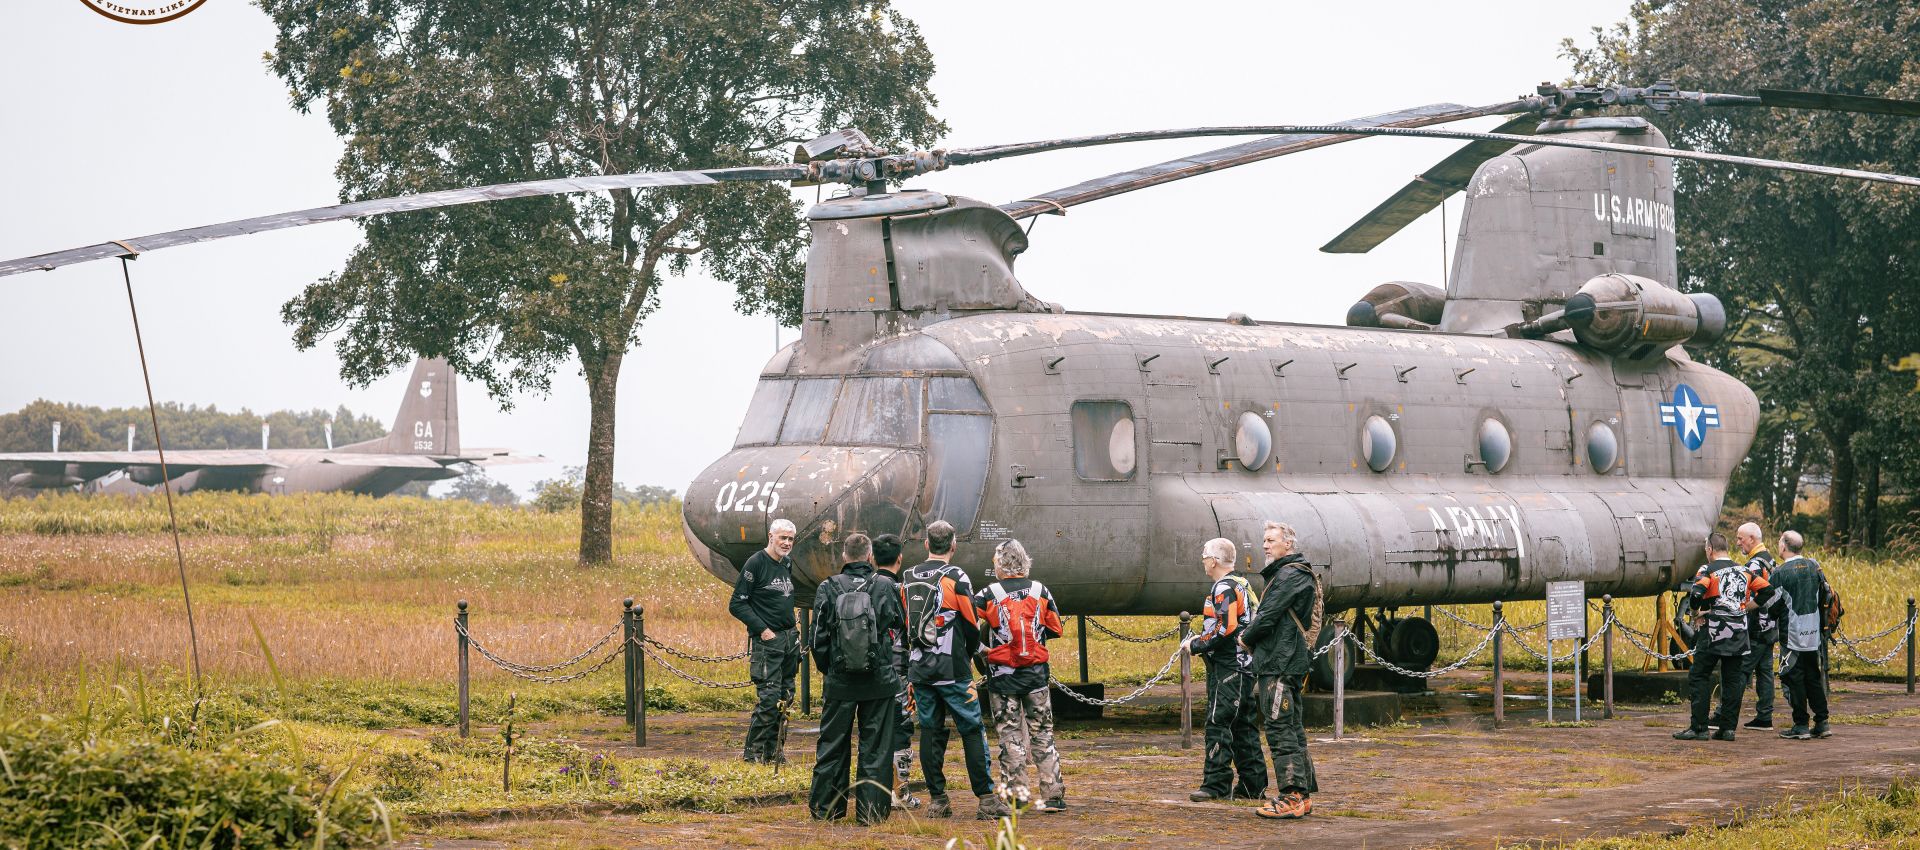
(1018, 616)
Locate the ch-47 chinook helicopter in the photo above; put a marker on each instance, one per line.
(1535, 420)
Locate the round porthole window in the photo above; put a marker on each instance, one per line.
(1253, 441)
(1378, 443)
(1496, 445)
(1120, 446)
(1603, 448)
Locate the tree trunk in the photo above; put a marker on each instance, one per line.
(1793, 461)
(1870, 503)
(1841, 494)
(596, 502)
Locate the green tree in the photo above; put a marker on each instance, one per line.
(1817, 273)
(433, 95)
(476, 486)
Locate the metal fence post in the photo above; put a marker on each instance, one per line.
(1911, 628)
(1186, 683)
(627, 654)
(1606, 654)
(1339, 679)
(461, 632)
(1499, 679)
(639, 676)
(806, 668)
(1083, 648)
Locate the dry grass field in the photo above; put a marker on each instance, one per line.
(333, 615)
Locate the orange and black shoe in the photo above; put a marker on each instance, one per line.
(1288, 806)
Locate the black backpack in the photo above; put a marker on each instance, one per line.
(923, 608)
(856, 626)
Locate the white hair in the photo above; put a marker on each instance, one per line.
(1286, 532)
(1751, 531)
(1220, 549)
(780, 525)
(1792, 541)
(1010, 560)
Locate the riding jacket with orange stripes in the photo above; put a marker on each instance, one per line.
(950, 659)
(1228, 609)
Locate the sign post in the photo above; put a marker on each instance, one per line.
(1566, 618)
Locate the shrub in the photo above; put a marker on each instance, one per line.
(64, 788)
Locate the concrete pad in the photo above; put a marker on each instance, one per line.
(1364, 708)
(1068, 708)
(1374, 677)
(1634, 686)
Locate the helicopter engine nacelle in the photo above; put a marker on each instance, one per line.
(44, 480)
(1399, 304)
(1634, 317)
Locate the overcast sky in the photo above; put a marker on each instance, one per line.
(113, 131)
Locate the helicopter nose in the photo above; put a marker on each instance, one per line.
(827, 492)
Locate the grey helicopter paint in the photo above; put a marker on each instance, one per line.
(1464, 463)
(1534, 420)
(424, 445)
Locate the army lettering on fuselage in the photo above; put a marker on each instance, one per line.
(1637, 212)
(752, 496)
(1490, 527)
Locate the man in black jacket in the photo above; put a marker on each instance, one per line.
(763, 601)
(1721, 590)
(1806, 592)
(858, 692)
(1277, 637)
(1233, 727)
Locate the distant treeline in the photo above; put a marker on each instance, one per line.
(84, 428)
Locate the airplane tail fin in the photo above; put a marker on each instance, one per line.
(429, 419)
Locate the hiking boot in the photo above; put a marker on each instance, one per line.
(905, 799)
(1691, 734)
(1758, 723)
(1244, 794)
(1203, 796)
(992, 807)
(1820, 729)
(1797, 733)
(1288, 807)
(940, 807)
(1052, 805)
(1723, 735)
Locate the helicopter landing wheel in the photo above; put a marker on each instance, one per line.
(1320, 675)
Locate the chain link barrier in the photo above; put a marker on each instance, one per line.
(1633, 637)
(1173, 632)
(707, 683)
(1473, 625)
(1364, 649)
(1592, 639)
(1135, 694)
(1852, 645)
(530, 671)
(699, 659)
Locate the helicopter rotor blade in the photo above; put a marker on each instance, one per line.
(403, 203)
(1285, 143)
(1426, 191)
(1838, 102)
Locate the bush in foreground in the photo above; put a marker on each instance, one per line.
(62, 785)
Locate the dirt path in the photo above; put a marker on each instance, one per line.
(1449, 781)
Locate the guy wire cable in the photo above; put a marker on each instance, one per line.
(166, 481)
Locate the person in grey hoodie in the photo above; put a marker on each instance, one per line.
(1277, 637)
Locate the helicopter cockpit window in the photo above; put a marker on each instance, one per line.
(883, 411)
(763, 414)
(1103, 440)
(954, 394)
(807, 417)
(958, 449)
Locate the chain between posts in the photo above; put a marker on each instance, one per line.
(528, 671)
(1631, 637)
(709, 683)
(1164, 669)
(1851, 645)
(1175, 631)
(701, 659)
(1355, 639)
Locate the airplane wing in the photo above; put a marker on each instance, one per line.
(388, 461)
(96, 464)
(499, 457)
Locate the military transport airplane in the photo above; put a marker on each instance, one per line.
(424, 445)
